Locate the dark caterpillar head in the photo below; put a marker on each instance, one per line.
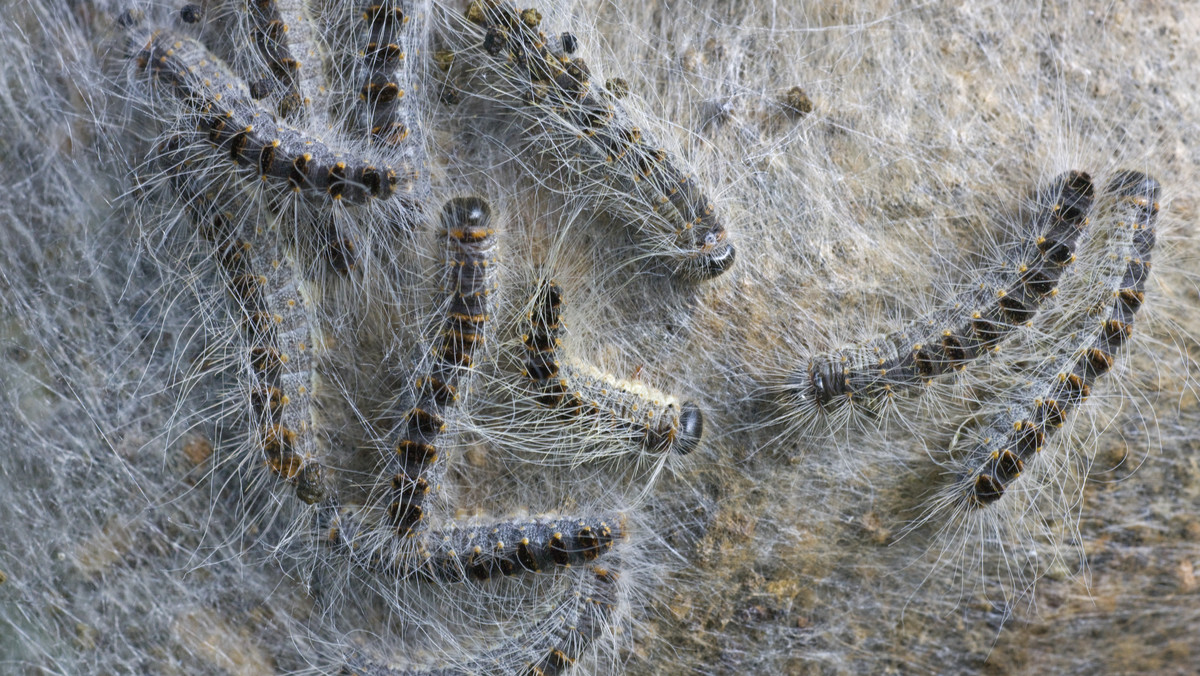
(691, 428)
(717, 256)
(466, 213)
(824, 381)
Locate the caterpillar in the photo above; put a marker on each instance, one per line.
(631, 413)
(261, 276)
(229, 120)
(1020, 431)
(949, 339)
(266, 284)
(470, 238)
(462, 551)
(587, 138)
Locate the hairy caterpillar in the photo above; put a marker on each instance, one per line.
(229, 120)
(470, 237)
(464, 551)
(949, 339)
(588, 139)
(271, 295)
(655, 422)
(1018, 434)
(261, 275)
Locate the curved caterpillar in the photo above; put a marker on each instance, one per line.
(1019, 433)
(654, 421)
(586, 135)
(262, 278)
(229, 120)
(949, 339)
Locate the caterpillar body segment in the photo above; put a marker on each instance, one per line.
(385, 71)
(284, 34)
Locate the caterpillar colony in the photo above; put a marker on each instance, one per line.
(404, 337)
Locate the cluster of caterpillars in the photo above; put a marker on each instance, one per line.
(219, 106)
(1015, 440)
(259, 189)
(587, 133)
(872, 377)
